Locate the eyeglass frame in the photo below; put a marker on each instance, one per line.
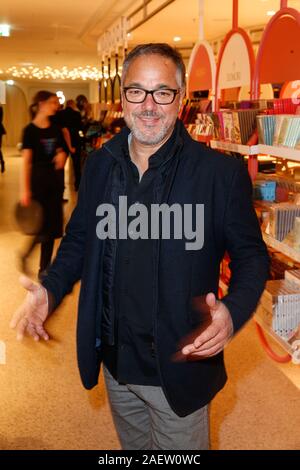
(151, 92)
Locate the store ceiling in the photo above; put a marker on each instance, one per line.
(181, 18)
(64, 32)
(56, 33)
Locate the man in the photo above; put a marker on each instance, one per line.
(72, 122)
(148, 306)
(59, 121)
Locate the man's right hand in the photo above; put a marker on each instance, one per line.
(31, 315)
(26, 198)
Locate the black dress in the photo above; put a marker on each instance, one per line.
(46, 185)
(2, 129)
(2, 133)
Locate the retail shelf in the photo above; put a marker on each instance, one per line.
(231, 147)
(291, 348)
(282, 247)
(281, 152)
(205, 139)
(284, 344)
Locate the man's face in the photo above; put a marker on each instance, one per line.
(49, 106)
(151, 123)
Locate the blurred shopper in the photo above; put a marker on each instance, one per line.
(43, 159)
(72, 121)
(2, 133)
(84, 108)
(58, 120)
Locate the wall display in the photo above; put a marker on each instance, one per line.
(279, 135)
(235, 67)
(266, 92)
(279, 53)
(201, 69)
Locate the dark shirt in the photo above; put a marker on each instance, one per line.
(132, 358)
(58, 120)
(2, 129)
(72, 121)
(44, 143)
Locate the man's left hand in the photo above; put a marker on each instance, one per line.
(214, 338)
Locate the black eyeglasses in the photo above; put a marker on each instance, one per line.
(138, 95)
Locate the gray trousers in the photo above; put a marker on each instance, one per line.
(144, 420)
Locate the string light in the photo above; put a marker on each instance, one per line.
(49, 73)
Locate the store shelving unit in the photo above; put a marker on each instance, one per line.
(236, 59)
(285, 153)
(279, 152)
(254, 151)
(281, 247)
(292, 349)
(237, 148)
(277, 62)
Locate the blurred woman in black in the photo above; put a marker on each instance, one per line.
(43, 156)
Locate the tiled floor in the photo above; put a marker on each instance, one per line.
(43, 405)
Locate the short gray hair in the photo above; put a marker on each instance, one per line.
(162, 49)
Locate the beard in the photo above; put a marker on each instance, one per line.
(149, 135)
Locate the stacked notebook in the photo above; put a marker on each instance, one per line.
(279, 130)
(282, 106)
(275, 106)
(264, 190)
(281, 304)
(190, 109)
(293, 276)
(235, 126)
(266, 129)
(282, 219)
(204, 124)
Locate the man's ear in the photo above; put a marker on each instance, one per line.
(181, 97)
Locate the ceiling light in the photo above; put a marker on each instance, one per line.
(26, 64)
(10, 82)
(176, 38)
(80, 73)
(271, 13)
(61, 97)
(4, 30)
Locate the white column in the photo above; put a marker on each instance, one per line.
(201, 20)
(93, 92)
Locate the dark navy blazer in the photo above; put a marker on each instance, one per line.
(200, 176)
